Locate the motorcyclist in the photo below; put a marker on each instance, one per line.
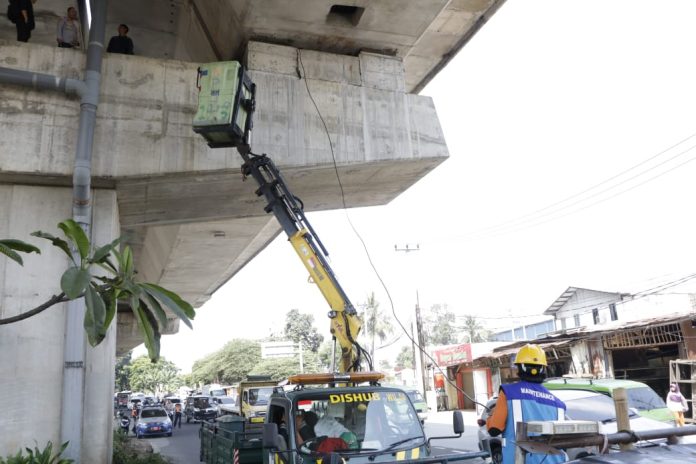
(124, 422)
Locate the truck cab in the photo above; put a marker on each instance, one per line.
(367, 423)
(324, 417)
(355, 422)
(253, 397)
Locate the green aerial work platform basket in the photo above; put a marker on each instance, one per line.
(225, 104)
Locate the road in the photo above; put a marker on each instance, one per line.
(183, 446)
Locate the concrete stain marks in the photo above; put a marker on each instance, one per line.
(134, 84)
(11, 60)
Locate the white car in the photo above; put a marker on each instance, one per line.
(225, 405)
(580, 405)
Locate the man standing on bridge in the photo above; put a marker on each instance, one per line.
(526, 400)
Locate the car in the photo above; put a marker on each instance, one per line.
(225, 405)
(153, 420)
(580, 405)
(199, 408)
(419, 403)
(641, 397)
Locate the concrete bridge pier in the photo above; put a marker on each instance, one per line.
(31, 351)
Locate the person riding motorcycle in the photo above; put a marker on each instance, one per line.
(526, 400)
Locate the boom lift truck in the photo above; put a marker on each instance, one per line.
(226, 106)
(368, 422)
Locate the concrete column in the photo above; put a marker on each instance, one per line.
(31, 351)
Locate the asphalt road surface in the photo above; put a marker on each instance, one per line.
(183, 446)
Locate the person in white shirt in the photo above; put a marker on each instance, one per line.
(68, 33)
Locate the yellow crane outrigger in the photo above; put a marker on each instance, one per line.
(224, 118)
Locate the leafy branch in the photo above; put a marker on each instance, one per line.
(103, 293)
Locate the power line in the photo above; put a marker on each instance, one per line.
(532, 219)
(367, 252)
(531, 225)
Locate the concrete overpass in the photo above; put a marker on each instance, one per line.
(192, 222)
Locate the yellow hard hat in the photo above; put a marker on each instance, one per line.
(531, 354)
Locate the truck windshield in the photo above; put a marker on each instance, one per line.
(201, 403)
(259, 396)
(359, 420)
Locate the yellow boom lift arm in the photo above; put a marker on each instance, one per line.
(224, 118)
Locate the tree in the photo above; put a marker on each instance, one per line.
(439, 326)
(474, 331)
(324, 355)
(230, 364)
(157, 377)
(375, 322)
(282, 368)
(300, 328)
(185, 379)
(102, 293)
(121, 379)
(404, 360)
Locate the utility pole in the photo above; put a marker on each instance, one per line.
(419, 359)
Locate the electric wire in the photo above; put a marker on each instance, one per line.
(601, 302)
(362, 241)
(602, 200)
(556, 207)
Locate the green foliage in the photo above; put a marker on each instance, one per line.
(123, 454)
(376, 323)
(300, 328)
(282, 368)
(37, 456)
(102, 293)
(185, 379)
(439, 327)
(404, 360)
(230, 364)
(474, 331)
(324, 355)
(153, 377)
(10, 247)
(121, 380)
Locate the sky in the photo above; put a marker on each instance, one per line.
(570, 126)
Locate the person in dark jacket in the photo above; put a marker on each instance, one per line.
(25, 20)
(121, 43)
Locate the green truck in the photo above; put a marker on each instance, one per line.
(361, 423)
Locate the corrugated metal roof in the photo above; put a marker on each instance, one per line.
(565, 337)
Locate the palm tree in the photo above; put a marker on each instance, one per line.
(377, 323)
(473, 330)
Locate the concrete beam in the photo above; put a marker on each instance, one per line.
(426, 34)
(175, 194)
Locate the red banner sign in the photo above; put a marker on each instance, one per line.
(453, 355)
